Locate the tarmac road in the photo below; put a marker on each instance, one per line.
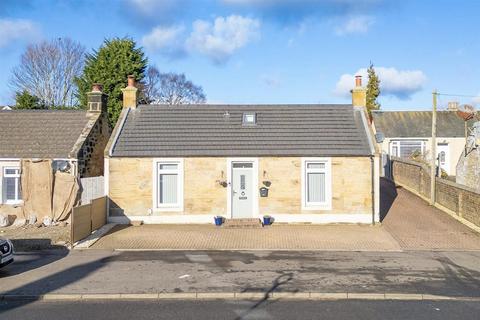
(210, 310)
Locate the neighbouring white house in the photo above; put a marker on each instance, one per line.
(408, 133)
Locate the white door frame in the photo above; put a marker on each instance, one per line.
(255, 184)
(441, 145)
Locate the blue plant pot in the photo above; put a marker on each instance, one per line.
(218, 221)
(267, 221)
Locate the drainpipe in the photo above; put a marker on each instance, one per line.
(372, 166)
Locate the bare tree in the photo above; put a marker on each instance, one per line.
(149, 87)
(47, 70)
(170, 88)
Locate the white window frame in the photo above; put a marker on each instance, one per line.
(17, 177)
(327, 204)
(398, 145)
(180, 184)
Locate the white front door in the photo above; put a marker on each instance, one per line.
(242, 190)
(443, 156)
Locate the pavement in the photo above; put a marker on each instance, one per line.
(242, 310)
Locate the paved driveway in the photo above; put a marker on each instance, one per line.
(278, 237)
(418, 226)
(409, 223)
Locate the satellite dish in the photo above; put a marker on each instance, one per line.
(466, 112)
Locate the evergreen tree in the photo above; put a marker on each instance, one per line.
(373, 90)
(110, 65)
(25, 100)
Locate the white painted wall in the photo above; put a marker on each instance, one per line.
(456, 146)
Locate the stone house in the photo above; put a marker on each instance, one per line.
(296, 163)
(468, 166)
(73, 139)
(409, 133)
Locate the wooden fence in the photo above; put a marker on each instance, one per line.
(91, 188)
(88, 218)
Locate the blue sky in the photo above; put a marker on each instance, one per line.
(266, 51)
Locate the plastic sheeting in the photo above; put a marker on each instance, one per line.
(37, 188)
(65, 193)
(46, 195)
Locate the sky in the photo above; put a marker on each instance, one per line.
(273, 51)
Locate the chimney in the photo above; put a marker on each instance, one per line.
(452, 106)
(96, 100)
(130, 93)
(359, 93)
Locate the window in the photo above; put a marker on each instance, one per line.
(11, 185)
(316, 184)
(249, 118)
(169, 185)
(407, 148)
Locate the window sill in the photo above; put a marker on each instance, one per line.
(324, 207)
(167, 209)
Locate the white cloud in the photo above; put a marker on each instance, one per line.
(167, 40)
(217, 40)
(16, 29)
(220, 39)
(355, 24)
(399, 83)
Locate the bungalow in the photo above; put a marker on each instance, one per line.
(409, 133)
(297, 163)
(73, 139)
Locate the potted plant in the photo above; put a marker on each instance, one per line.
(218, 220)
(267, 220)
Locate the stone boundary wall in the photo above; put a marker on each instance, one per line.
(457, 199)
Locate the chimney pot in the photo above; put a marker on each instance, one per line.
(358, 81)
(131, 81)
(97, 87)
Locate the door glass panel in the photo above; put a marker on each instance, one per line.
(168, 188)
(242, 165)
(168, 166)
(316, 187)
(442, 157)
(242, 182)
(316, 165)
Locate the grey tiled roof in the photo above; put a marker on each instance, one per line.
(405, 124)
(281, 130)
(40, 133)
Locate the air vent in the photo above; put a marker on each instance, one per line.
(249, 119)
